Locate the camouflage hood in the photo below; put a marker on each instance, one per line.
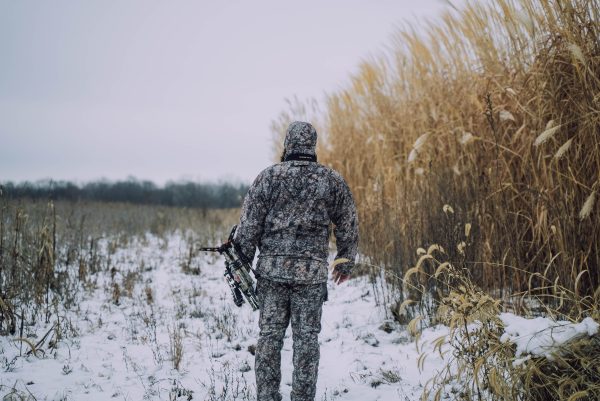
(300, 137)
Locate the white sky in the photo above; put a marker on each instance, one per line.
(169, 90)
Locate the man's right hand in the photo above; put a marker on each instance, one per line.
(339, 277)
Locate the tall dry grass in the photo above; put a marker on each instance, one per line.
(477, 144)
(495, 111)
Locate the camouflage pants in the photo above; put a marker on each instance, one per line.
(280, 303)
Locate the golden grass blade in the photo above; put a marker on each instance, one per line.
(412, 156)
(441, 268)
(337, 262)
(412, 326)
(421, 361)
(563, 149)
(438, 343)
(29, 343)
(435, 247)
(409, 273)
(578, 395)
(587, 207)
(422, 259)
(581, 273)
(420, 142)
(548, 133)
(406, 303)
(479, 363)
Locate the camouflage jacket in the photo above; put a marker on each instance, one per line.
(288, 214)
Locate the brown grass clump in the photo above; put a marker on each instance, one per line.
(480, 366)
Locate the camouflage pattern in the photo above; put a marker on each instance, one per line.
(300, 137)
(280, 303)
(288, 214)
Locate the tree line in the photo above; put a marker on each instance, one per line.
(183, 194)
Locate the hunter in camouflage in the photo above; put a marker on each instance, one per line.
(288, 214)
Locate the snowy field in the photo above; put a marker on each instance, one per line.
(137, 320)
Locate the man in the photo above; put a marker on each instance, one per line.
(287, 214)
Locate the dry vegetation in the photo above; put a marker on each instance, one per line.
(50, 253)
(480, 365)
(53, 256)
(482, 136)
(495, 113)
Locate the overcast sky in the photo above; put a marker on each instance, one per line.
(170, 90)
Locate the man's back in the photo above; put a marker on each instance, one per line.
(287, 214)
(297, 201)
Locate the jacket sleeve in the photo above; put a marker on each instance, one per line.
(254, 211)
(346, 227)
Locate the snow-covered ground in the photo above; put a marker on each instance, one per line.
(124, 350)
(121, 338)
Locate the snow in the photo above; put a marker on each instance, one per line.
(542, 336)
(122, 351)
